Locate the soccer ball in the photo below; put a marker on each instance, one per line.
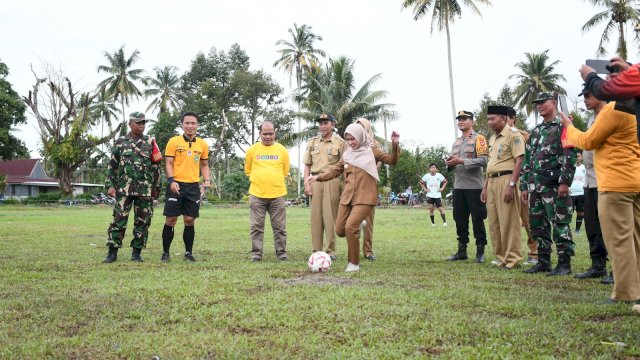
(319, 262)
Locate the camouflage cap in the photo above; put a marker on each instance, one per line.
(138, 117)
(326, 117)
(544, 96)
(464, 114)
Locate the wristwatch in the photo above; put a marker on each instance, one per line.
(512, 184)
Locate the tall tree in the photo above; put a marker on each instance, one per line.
(11, 114)
(121, 83)
(65, 122)
(443, 13)
(164, 87)
(301, 55)
(616, 15)
(536, 75)
(506, 97)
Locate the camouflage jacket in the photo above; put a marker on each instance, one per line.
(547, 163)
(131, 171)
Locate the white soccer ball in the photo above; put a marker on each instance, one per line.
(319, 261)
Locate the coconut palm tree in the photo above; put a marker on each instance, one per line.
(121, 81)
(299, 54)
(536, 75)
(616, 15)
(104, 108)
(444, 12)
(165, 87)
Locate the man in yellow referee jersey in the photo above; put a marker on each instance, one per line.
(186, 159)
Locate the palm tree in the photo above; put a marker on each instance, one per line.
(444, 12)
(332, 90)
(616, 14)
(536, 76)
(299, 54)
(165, 86)
(121, 81)
(104, 108)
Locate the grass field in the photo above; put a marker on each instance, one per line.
(57, 300)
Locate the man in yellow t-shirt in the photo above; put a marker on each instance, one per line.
(187, 156)
(267, 166)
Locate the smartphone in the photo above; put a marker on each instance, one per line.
(563, 104)
(600, 66)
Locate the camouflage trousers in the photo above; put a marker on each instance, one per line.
(547, 209)
(143, 212)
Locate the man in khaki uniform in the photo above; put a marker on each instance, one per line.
(532, 259)
(506, 153)
(322, 153)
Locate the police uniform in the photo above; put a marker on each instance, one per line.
(321, 155)
(136, 179)
(504, 219)
(548, 166)
(467, 187)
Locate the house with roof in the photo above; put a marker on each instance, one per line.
(26, 177)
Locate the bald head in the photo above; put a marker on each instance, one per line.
(267, 133)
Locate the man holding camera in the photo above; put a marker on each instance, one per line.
(545, 185)
(468, 157)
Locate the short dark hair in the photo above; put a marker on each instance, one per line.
(433, 164)
(189, 113)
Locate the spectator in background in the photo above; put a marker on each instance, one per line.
(433, 183)
(577, 191)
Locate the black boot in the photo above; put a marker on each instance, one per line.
(607, 280)
(461, 254)
(563, 267)
(135, 255)
(480, 254)
(543, 265)
(112, 256)
(597, 269)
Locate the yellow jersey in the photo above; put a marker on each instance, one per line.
(187, 155)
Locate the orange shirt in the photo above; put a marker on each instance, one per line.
(187, 156)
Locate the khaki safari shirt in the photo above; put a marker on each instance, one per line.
(322, 155)
(504, 148)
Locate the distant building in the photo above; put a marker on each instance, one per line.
(26, 177)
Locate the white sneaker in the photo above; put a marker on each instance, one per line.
(432, 224)
(352, 268)
(495, 262)
(444, 225)
(363, 224)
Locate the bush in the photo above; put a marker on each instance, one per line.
(43, 197)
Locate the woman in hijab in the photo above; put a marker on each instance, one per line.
(360, 194)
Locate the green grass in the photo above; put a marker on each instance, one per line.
(57, 300)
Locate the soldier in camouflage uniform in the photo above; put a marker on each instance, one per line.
(545, 181)
(135, 181)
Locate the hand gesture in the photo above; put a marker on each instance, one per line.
(395, 136)
(566, 122)
(585, 70)
(111, 192)
(175, 188)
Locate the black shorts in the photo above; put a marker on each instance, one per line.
(436, 201)
(578, 202)
(186, 203)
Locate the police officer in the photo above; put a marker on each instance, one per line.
(532, 259)
(506, 152)
(468, 157)
(323, 152)
(134, 179)
(545, 185)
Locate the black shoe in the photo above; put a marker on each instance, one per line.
(332, 257)
(370, 257)
(284, 258)
(563, 267)
(607, 280)
(189, 257)
(112, 256)
(460, 255)
(135, 255)
(255, 259)
(591, 273)
(480, 254)
(165, 257)
(543, 265)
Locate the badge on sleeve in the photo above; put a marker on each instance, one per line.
(481, 146)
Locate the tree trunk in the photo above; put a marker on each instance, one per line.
(622, 51)
(65, 180)
(453, 101)
(299, 80)
(123, 131)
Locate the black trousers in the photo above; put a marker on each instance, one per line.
(467, 202)
(592, 224)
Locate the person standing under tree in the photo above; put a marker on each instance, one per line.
(134, 179)
(434, 183)
(187, 157)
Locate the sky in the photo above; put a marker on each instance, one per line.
(379, 35)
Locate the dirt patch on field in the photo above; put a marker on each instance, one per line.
(318, 279)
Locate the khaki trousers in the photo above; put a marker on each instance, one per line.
(504, 222)
(324, 209)
(276, 208)
(619, 215)
(367, 234)
(348, 224)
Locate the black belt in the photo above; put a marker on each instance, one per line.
(498, 174)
